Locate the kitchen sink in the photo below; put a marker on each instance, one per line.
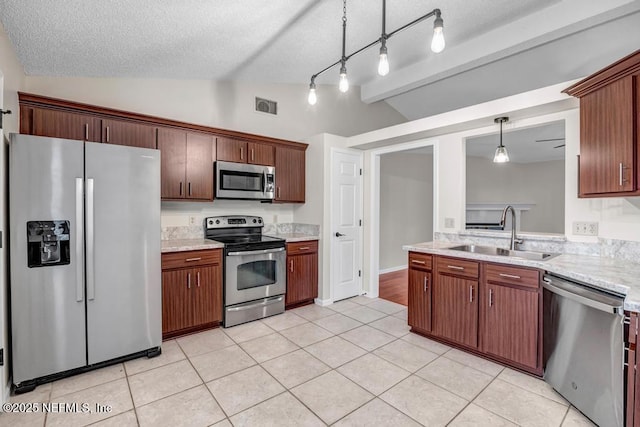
(490, 250)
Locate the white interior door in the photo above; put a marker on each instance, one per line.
(346, 224)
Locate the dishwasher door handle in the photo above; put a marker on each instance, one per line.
(584, 295)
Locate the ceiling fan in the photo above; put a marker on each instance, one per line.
(552, 139)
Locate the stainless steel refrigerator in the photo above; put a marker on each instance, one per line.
(85, 255)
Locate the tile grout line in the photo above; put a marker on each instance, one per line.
(133, 403)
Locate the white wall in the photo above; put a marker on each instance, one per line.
(508, 183)
(406, 204)
(11, 80)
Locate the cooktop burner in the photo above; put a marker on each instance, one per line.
(240, 233)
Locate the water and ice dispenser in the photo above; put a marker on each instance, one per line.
(48, 243)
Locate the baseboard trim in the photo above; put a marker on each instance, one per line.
(323, 302)
(392, 269)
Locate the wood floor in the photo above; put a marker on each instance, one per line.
(394, 286)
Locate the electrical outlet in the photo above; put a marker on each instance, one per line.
(449, 222)
(583, 228)
(193, 220)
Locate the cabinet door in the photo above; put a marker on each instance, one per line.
(128, 133)
(455, 309)
(177, 312)
(207, 294)
(607, 139)
(261, 154)
(510, 327)
(61, 124)
(231, 150)
(199, 166)
(173, 145)
(302, 278)
(290, 175)
(419, 299)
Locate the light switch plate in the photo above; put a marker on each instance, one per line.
(585, 228)
(449, 222)
(193, 220)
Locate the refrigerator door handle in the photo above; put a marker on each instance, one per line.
(79, 240)
(91, 282)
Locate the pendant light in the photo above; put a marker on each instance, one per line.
(437, 46)
(501, 155)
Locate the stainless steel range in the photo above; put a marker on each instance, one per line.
(255, 278)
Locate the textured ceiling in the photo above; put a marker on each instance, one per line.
(276, 41)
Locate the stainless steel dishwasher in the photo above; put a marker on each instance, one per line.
(584, 349)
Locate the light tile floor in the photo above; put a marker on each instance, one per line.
(354, 363)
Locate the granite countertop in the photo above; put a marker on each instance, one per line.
(181, 245)
(610, 274)
(294, 237)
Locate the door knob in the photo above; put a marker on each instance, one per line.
(338, 234)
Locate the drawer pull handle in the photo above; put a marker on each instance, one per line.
(510, 276)
(455, 267)
(306, 248)
(192, 259)
(415, 261)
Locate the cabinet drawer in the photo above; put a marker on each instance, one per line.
(419, 260)
(306, 247)
(497, 273)
(458, 267)
(191, 258)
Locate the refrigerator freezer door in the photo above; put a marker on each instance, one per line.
(123, 250)
(47, 301)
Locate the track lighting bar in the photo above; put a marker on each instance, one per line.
(437, 45)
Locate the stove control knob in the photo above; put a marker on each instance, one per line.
(217, 221)
(254, 220)
(260, 220)
(210, 222)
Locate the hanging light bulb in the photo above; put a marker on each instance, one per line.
(344, 82)
(383, 64)
(437, 42)
(313, 98)
(501, 155)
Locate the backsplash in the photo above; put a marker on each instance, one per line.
(197, 232)
(610, 248)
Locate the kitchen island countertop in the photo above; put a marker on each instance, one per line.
(620, 276)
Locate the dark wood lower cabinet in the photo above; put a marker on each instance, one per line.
(455, 309)
(302, 273)
(191, 295)
(509, 324)
(489, 309)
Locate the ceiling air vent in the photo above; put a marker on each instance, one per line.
(266, 106)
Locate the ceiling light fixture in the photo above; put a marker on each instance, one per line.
(501, 155)
(437, 45)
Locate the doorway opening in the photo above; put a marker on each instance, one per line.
(404, 197)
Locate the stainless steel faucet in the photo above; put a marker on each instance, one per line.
(514, 241)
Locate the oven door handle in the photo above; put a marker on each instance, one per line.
(258, 304)
(260, 252)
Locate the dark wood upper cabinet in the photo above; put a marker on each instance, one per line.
(290, 175)
(239, 151)
(188, 150)
(132, 134)
(187, 164)
(610, 130)
(60, 124)
(231, 150)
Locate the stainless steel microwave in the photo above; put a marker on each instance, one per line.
(244, 181)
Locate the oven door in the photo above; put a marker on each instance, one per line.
(244, 181)
(252, 275)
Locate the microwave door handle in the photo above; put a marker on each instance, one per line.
(264, 181)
